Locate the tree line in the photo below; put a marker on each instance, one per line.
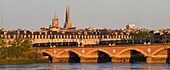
(17, 48)
(143, 35)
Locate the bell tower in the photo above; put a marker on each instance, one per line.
(55, 22)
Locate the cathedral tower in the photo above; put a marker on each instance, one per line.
(68, 23)
(55, 22)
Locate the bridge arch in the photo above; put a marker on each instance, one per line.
(47, 53)
(129, 49)
(100, 50)
(72, 56)
(102, 55)
(76, 52)
(49, 56)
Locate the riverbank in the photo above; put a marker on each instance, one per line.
(22, 61)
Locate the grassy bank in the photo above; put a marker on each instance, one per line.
(22, 61)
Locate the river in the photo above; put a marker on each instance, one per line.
(85, 66)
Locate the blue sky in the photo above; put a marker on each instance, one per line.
(114, 14)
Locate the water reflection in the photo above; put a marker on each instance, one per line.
(86, 66)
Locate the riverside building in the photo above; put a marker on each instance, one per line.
(68, 33)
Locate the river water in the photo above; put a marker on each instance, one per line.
(85, 66)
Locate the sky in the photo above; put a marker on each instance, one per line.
(113, 14)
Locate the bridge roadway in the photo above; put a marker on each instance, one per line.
(154, 53)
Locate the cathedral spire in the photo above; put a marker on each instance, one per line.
(68, 23)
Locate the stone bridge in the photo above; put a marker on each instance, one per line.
(116, 54)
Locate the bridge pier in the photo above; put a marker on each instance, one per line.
(60, 60)
(120, 60)
(149, 60)
(88, 59)
(156, 60)
(82, 60)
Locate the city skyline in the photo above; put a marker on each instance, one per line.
(112, 14)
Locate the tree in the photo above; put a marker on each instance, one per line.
(18, 46)
(143, 35)
(3, 48)
(166, 38)
(34, 55)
